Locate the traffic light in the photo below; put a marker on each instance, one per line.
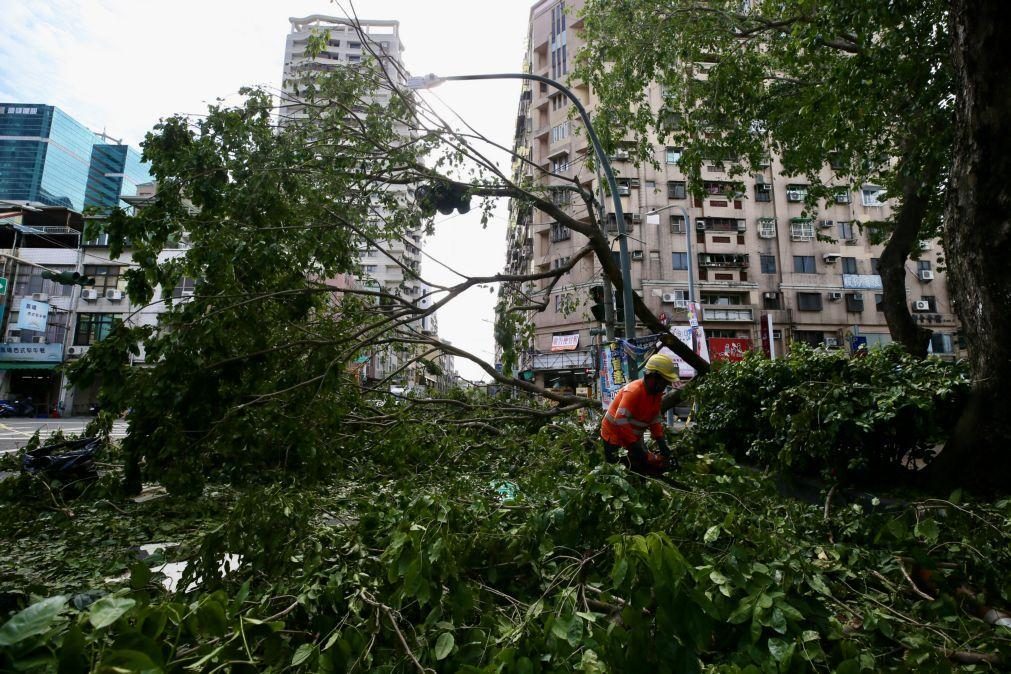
(444, 197)
(68, 278)
(597, 307)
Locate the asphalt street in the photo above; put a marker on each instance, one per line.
(15, 432)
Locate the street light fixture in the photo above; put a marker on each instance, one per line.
(430, 81)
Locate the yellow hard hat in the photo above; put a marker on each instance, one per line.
(662, 365)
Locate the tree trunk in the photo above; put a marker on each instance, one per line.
(978, 241)
(892, 266)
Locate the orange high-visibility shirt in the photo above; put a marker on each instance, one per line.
(631, 412)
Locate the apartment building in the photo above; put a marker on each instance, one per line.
(388, 269)
(753, 256)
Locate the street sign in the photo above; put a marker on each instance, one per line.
(3, 286)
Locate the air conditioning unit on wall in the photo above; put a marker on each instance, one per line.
(926, 275)
(89, 295)
(921, 305)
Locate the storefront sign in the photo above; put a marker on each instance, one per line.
(33, 315)
(684, 333)
(729, 348)
(768, 336)
(565, 342)
(31, 353)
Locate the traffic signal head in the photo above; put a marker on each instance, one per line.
(597, 302)
(68, 278)
(444, 197)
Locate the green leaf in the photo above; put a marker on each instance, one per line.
(33, 620)
(444, 645)
(928, 530)
(108, 610)
(303, 653)
(781, 651)
(712, 533)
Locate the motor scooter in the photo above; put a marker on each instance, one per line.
(20, 407)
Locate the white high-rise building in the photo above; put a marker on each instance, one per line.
(346, 46)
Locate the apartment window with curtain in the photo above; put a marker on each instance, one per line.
(768, 263)
(804, 264)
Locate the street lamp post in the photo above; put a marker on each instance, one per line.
(430, 81)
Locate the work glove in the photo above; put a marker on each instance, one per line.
(661, 447)
(664, 450)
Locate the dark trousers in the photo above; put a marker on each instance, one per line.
(635, 460)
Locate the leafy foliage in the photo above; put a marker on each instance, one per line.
(400, 565)
(817, 411)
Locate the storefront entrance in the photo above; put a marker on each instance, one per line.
(39, 381)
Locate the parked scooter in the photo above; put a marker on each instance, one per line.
(67, 461)
(20, 407)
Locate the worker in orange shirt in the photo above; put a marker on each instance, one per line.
(635, 408)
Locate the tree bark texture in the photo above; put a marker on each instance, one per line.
(892, 267)
(978, 240)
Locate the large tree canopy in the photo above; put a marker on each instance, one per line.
(864, 87)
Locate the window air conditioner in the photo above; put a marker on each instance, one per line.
(926, 275)
(794, 195)
(186, 293)
(769, 296)
(921, 305)
(842, 198)
(825, 224)
(14, 339)
(40, 297)
(637, 217)
(742, 226)
(858, 297)
(624, 190)
(681, 304)
(89, 295)
(39, 340)
(669, 298)
(620, 155)
(637, 255)
(831, 258)
(77, 350)
(700, 225)
(835, 295)
(924, 245)
(832, 341)
(114, 295)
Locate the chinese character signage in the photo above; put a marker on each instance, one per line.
(16, 352)
(612, 372)
(33, 315)
(729, 348)
(565, 342)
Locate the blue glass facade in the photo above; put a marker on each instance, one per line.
(46, 156)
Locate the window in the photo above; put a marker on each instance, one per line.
(871, 196)
(677, 224)
(802, 229)
(796, 193)
(767, 228)
(768, 263)
(763, 192)
(651, 185)
(879, 301)
(560, 196)
(875, 266)
(809, 302)
(366, 269)
(846, 230)
(106, 277)
(721, 300)
(842, 196)
(187, 286)
(804, 264)
(923, 265)
(676, 189)
(854, 302)
(560, 232)
(931, 302)
(29, 281)
(93, 328)
(674, 155)
(809, 337)
(680, 260)
(561, 132)
(849, 265)
(560, 164)
(940, 343)
(770, 301)
(654, 257)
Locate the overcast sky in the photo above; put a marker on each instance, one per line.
(120, 65)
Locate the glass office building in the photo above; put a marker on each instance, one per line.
(48, 157)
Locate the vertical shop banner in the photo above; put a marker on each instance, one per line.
(612, 372)
(684, 333)
(768, 336)
(33, 315)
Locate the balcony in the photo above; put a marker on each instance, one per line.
(728, 314)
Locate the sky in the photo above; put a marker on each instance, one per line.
(120, 65)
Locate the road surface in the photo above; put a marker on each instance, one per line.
(15, 432)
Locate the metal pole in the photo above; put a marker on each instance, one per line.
(608, 288)
(612, 184)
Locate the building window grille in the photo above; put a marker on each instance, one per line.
(676, 189)
(802, 229)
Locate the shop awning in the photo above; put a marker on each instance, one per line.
(28, 366)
